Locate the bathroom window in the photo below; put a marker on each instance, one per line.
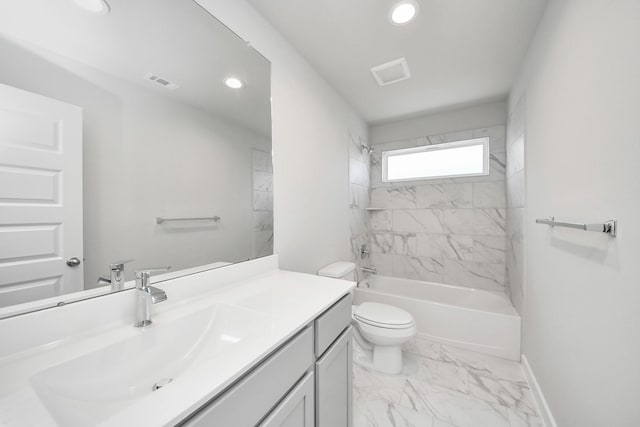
(450, 160)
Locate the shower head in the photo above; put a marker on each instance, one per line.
(366, 148)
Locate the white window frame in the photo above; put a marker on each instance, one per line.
(484, 141)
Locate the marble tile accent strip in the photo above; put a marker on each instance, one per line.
(262, 220)
(515, 190)
(262, 206)
(359, 201)
(358, 196)
(262, 161)
(262, 200)
(516, 202)
(263, 181)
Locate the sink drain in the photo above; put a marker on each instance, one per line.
(163, 382)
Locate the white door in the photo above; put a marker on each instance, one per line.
(40, 197)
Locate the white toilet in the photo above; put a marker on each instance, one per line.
(384, 326)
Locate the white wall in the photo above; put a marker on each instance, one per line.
(465, 118)
(581, 82)
(311, 124)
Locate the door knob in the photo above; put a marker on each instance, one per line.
(73, 262)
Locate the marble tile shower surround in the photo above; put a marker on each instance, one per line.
(444, 230)
(359, 173)
(443, 386)
(515, 176)
(262, 203)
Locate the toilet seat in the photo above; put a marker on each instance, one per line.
(383, 316)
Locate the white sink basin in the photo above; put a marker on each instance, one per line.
(89, 389)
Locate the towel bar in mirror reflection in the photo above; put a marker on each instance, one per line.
(160, 220)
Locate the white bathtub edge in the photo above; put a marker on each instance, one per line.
(492, 333)
(490, 350)
(541, 402)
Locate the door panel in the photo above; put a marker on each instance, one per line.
(29, 127)
(297, 408)
(40, 196)
(333, 384)
(29, 185)
(21, 242)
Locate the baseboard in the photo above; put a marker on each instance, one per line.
(541, 402)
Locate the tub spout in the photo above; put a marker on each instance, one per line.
(369, 270)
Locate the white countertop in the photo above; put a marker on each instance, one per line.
(288, 301)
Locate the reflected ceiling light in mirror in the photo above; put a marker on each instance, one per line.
(94, 6)
(403, 12)
(234, 83)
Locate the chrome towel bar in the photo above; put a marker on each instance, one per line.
(160, 220)
(609, 227)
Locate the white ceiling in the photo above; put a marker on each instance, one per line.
(175, 39)
(459, 51)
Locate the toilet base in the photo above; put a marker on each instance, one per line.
(387, 358)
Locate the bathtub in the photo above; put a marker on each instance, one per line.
(474, 319)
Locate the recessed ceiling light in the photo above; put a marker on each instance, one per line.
(95, 6)
(403, 12)
(234, 82)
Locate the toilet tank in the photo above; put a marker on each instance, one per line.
(339, 270)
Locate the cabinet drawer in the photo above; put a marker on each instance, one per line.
(331, 323)
(248, 401)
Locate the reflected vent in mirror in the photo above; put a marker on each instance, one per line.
(161, 81)
(391, 72)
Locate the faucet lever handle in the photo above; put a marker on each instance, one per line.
(119, 265)
(146, 272)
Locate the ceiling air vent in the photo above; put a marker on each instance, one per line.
(161, 81)
(391, 72)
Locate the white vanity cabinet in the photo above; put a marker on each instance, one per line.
(305, 383)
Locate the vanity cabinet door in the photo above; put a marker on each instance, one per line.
(333, 384)
(297, 408)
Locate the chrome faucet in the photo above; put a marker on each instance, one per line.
(146, 294)
(116, 278)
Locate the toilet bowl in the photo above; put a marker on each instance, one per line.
(384, 326)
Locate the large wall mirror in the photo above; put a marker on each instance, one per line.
(140, 131)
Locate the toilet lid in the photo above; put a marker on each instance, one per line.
(383, 315)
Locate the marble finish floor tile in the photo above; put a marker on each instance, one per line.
(446, 387)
